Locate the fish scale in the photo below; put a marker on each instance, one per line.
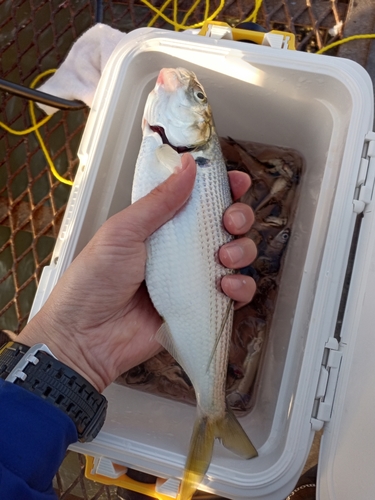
(183, 272)
(185, 251)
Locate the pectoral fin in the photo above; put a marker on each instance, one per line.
(168, 157)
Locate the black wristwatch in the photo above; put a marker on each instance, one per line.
(37, 370)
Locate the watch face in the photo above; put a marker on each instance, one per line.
(38, 371)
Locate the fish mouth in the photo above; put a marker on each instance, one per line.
(180, 149)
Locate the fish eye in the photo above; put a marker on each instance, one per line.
(199, 95)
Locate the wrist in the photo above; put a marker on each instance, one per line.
(35, 369)
(41, 330)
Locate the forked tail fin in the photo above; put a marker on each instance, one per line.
(233, 437)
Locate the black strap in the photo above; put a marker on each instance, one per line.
(10, 354)
(59, 385)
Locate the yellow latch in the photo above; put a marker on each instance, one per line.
(123, 481)
(274, 38)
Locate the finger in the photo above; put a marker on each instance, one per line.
(147, 214)
(238, 218)
(239, 183)
(238, 287)
(238, 253)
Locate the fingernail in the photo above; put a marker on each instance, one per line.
(184, 161)
(238, 219)
(234, 252)
(179, 167)
(235, 283)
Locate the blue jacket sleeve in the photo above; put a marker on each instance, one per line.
(34, 436)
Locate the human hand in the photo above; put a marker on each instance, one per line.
(99, 319)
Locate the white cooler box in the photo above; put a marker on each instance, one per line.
(322, 107)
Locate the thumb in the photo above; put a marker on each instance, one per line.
(162, 203)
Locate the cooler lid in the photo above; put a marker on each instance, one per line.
(347, 452)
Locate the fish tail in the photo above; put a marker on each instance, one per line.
(199, 457)
(233, 437)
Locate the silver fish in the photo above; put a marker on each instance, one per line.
(183, 272)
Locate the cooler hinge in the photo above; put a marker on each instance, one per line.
(325, 392)
(366, 176)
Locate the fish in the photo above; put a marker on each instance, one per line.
(269, 261)
(276, 245)
(183, 272)
(249, 332)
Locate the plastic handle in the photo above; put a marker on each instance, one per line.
(123, 482)
(257, 37)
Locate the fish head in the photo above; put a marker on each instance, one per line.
(178, 110)
(280, 241)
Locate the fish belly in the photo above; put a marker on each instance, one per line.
(183, 276)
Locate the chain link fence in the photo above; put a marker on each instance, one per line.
(35, 36)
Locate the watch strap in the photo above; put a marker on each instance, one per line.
(40, 372)
(10, 354)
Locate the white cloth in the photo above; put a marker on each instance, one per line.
(78, 76)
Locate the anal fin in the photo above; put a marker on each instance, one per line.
(233, 437)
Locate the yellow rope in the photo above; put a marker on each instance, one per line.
(175, 14)
(177, 26)
(183, 26)
(37, 133)
(36, 125)
(27, 130)
(207, 9)
(166, 4)
(35, 129)
(253, 16)
(190, 11)
(344, 40)
(156, 16)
